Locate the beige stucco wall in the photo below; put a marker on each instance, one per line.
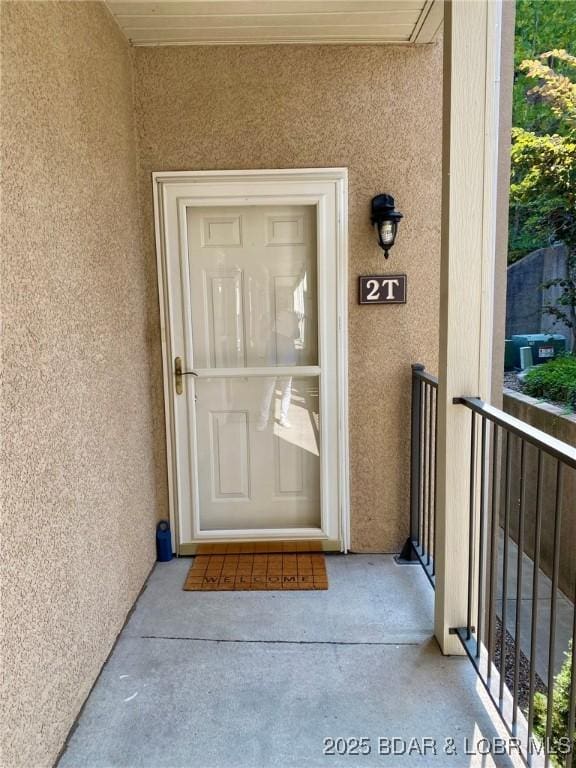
(78, 495)
(375, 110)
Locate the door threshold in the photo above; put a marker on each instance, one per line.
(260, 546)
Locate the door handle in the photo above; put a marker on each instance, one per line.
(179, 373)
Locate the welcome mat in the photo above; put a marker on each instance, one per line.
(265, 571)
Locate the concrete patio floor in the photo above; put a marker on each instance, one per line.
(260, 679)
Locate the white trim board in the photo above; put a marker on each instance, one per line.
(174, 192)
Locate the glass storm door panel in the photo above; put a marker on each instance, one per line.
(254, 326)
(258, 453)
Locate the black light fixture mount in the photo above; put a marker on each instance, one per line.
(385, 219)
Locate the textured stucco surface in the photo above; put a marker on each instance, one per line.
(375, 110)
(78, 490)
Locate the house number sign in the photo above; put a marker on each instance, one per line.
(382, 289)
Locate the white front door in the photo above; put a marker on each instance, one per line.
(250, 277)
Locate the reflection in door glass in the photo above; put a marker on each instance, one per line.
(254, 288)
(258, 452)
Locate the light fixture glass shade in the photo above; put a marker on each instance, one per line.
(387, 232)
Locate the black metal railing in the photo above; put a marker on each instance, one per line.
(421, 542)
(521, 549)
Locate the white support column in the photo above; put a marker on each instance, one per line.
(470, 154)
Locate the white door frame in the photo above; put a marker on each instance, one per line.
(173, 193)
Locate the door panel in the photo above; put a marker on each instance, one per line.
(224, 320)
(253, 286)
(258, 452)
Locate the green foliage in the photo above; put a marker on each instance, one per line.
(544, 183)
(541, 25)
(560, 709)
(543, 177)
(555, 88)
(543, 171)
(555, 380)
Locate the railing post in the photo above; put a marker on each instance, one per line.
(415, 457)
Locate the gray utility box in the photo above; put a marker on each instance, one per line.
(544, 346)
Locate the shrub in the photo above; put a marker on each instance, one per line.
(555, 380)
(560, 710)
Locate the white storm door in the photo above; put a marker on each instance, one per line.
(253, 292)
(254, 313)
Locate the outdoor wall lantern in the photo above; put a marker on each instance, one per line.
(385, 219)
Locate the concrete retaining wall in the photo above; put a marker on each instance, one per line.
(525, 297)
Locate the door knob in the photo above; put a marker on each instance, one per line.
(179, 373)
